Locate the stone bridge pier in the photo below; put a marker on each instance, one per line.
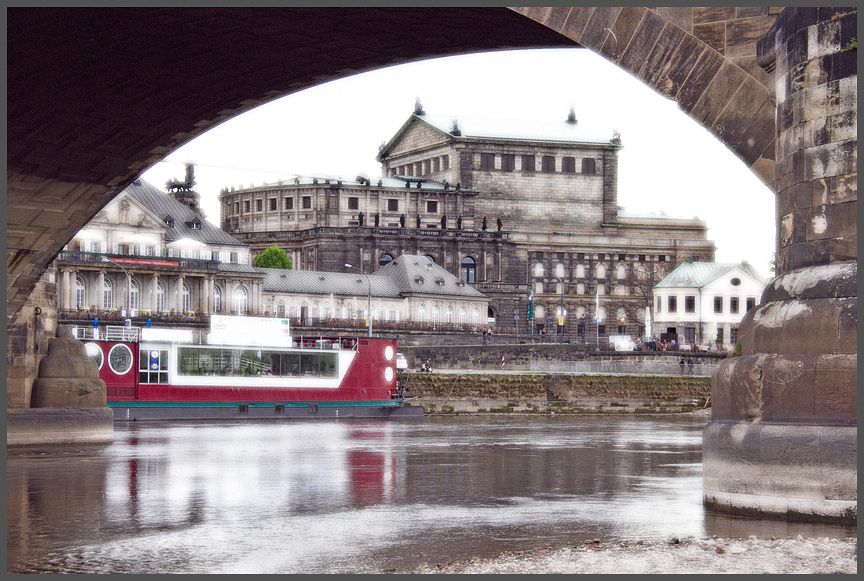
(783, 434)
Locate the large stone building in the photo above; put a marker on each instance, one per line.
(507, 206)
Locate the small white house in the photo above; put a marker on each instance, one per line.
(704, 302)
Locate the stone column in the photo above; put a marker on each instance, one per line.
(783, 434)
(100, 291)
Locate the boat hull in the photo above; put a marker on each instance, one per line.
(155, 411)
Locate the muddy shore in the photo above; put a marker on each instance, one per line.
(686, 555)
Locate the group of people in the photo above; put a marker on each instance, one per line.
(688, 364)
(487, 336)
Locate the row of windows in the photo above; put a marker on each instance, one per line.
(239, 304)
(600, 271)
(273, 204)
(690, 304)
(422, 168)
(528, 163)
(615, 256)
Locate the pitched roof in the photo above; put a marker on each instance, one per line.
(699, 274)
(164, 205)
(323, 283)
(414, 274)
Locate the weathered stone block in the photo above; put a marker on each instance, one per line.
(788, 389)
(68, 393)
(836, 389)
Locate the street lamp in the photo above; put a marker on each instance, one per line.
(561, 313)
(128, 284)
(369, 304)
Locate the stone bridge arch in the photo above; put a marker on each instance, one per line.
(95, 97)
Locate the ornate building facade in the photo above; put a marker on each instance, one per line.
(509, 207)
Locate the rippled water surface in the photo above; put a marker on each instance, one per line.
(358, 496)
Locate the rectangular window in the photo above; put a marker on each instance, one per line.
(690, 304)
(436, 164)
(432, 207)
(487, 161)
(247, 206)
(601, 329)
(580, 256)
(751, 303)
(641, 258)
(589, 166)
(236, 207)
(622, 257)
(718, 304)
(425, 167)
(548, 164)
(445, 160)
(353, 203)
(622, 329)
(568, 165)
(659, 308)
(528, 163)
(673, 305)
(661, 258)
(259, 205)
(733, 305)
(289, 203)
(392, 205)
(273, 204)
(508, 162)
(307, 202)
(733, 335)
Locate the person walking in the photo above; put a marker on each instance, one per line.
(488, 336)
(689, 366)
(681, 365)
(484, 336)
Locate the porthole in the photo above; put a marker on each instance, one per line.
(120, 359)
(736, 281)
(94, 352)
(388, 374)
(388, 353)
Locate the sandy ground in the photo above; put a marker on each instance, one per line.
(687, 555)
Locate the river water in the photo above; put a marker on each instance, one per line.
(365, 496)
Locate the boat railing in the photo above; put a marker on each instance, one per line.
(107, 333)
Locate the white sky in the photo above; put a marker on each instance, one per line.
(668, 163)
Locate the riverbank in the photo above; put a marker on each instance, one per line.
(675, 556)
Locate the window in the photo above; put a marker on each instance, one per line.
(689, 304)
(475, 316)
(187, 298)
(621, 272)
(568, 165)
(487, 161)
(353, 203)
(448, 314)
(735, 281)
(289, 203)
(601, 271)
(445, 160)
(436, 164)
(307, 202)
(274, 204)
(673, 305)
(528, 163)
(718, 304)
(468, 269)
(548, 164)
(421, 313)
(134, 295)
(589, 166)
(80, 293)
(108, 290)
(538, 270)
(392, 205)
(601, 329)
(432, 207)
(236, 207)
(751, 303)
(425, 167)
(217, 299)
(659, 308)
(689, 334)
(661, 258)
(622, 329)
(463, 316)
(160, 296)
(580, 271)
(641, 258)
(234, 258)
(733, 305)
(385, 259)
(508, 162)
(258, 205)
(622, 257)
(240, 300)
(719, 338)
(733, 335)
(436, 315)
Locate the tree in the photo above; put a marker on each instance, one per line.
(273, 257)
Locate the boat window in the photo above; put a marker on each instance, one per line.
(256, 363)
(153, 366)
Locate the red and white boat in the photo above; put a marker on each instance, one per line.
(245, 367)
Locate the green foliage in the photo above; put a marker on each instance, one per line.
(273, 257)
(852, 44)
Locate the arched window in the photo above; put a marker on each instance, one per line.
(621, 272)
(421, 313)
(240, 300)
(217, 299)
(80, 293)
(187, 298)
(108, 290)
(580, 271)
(160, 296)
(468, 269)
(436, 315)
(601, 271)
(463, 316)
(448, 314)
(539, 314)
(538, 270)
(475, 316)
(621, 315)
(134, 295)
(559, 270)
(385, 259)
(430, 257)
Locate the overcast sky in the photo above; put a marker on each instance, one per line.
(668, 164)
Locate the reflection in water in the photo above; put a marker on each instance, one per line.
(358, 496)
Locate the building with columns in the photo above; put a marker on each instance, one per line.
(507, 206)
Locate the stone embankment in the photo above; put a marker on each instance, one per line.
(674, 556)
(459, 392)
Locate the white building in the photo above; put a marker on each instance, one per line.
(704, 302)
